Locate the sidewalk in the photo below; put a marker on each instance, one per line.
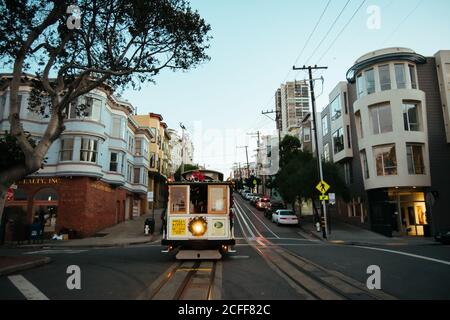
(127, 233)
(343, 233)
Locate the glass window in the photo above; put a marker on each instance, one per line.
(129, 172)
(130, 142)
(370, 81)
(137, 175)
(359, 125)
(400, 75)
(116, 127)
(88, 151)
(385, 77)
(348, 172)
(414, 156)
(93, 108)
(198, 197)
(386, 160)
(411, 116)
(381, 118)
(325, 125)
(412, 74)
(360, 85)
(326, 153)
(349, 141)
(338, 140)
(66, 152)
(114, 161)
(306, 134)
(336, 108)
(365, 165)
(178, 199)
(152, 159)
(138, 147)
(447, 67)
(217, 199)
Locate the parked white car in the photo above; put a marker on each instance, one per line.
(286, 217)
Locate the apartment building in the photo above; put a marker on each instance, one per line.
(159, 155)
(292, 105)
(96, 172)
(387, 127)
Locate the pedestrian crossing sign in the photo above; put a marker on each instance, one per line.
(323, 187)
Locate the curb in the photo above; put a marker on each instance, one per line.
(25, 266)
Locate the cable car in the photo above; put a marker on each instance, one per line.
(199, 216)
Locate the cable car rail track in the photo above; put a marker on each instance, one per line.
(310, 280)
(186, 280)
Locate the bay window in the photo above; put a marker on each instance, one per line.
(385, 77)
(400, 75)
(360, 85)
(336, 108)
(365, 164)
(411, 116)
(88, 151)
(338, 140)
(412, 75)
(381, 118)
(386, 160)
(66, 152)
(370, 81)
(414, 155)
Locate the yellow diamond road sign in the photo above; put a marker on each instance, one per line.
(324, 198)
(323, 187)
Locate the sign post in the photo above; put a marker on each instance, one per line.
(323, 188)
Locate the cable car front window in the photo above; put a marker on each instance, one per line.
(198, 199)
(178, 199)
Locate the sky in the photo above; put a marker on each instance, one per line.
(255, 44)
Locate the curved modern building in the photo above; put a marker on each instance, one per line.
(389, 131)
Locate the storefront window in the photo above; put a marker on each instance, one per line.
(46, 194)
(178, 199)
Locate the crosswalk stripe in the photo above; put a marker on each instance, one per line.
(27, 288)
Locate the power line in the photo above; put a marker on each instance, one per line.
(342, 31)
(305, 45)
(329, 31)
(402, 22)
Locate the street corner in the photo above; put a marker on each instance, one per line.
(13, 264)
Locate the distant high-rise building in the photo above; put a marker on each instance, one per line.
(292, 105)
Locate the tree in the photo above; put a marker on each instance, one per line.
(297, 180)
(289, 147)
(187, 167)
(119, 42)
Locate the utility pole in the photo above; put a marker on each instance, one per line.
(246, 154)
(183, 128)
(319, 160)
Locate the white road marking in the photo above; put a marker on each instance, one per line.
(57, 251)
(238, 257)
(245, 217)
(27, 288)
(270, 230)
(406, 254)
(239, 213)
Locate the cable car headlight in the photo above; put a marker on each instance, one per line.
(198, 226)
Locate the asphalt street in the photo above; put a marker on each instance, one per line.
(252, 272)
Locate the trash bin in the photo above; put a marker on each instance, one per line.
(36, 234)
(149, 226)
